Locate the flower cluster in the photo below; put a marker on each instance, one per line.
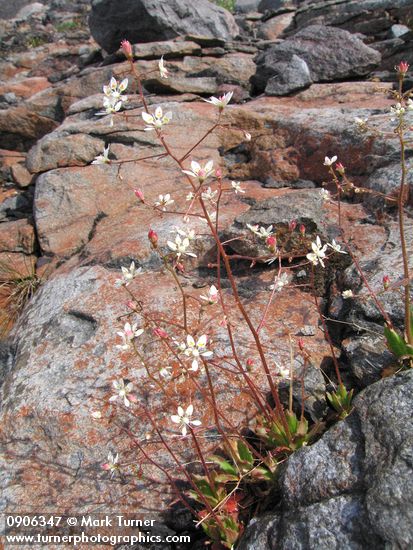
(180, 245)
(260, 231)
(318, 254)
(113, 100)
(195, 349)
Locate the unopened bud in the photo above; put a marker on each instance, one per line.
(271, 243)
(153, 238)
(250, 364)
(127, 49)
(386, 282)
(340, 168)
(180, 267)
(300, 343)
(292, 225)
(160, 332)
(302, 229)
(402, 68)
(218, 173)
(139, 194)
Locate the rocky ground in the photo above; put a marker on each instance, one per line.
(301, 72)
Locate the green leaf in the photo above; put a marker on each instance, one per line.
(223, 464)
(244, 453)
(395, 342)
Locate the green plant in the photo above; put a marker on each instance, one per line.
(68, 26)
(341, 400)
(17, 286)
(226, 4)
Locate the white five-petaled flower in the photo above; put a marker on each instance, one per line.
(347, 294)
(280, 282)
(129, 333)
(260, 230)
(112, 102)
(318, 253)
(127, 275)
(123, 391)
(325, 195)
(195, 349)
(157, 120)
(208, 194)
(220, 102)
(164, 201)
(180, 246)
(329, 162)
(212, 296)
(336, 247)
(236, 185)
(183, 418)
(199, 172)
(283, 372)
(112, 465)
(163, 71)
(103, 158)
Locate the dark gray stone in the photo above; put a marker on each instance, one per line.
(353, 488)
(330, 54)
(274, 5)
(386, 181)
(246, 6)
(288, 76)
(370, 17)
(153, 20)
(366, 356)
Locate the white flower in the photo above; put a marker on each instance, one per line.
(103, 158)
(318, 253)
(212, 296)
(163, 71)
(112, 102)
(347, 294)
(397, 110)
(97, 415)
(220, 102)
(336, 247)
(180, 246)
(190, 196)
(280, 282)
(325, 195)
(128, 275)
(247, 136)
(164, 201)
(329, 162)
(157, 120)
(165, 372)
(186, 233)
(198, 172)
(112, 464)
(236, 185)
(261, 231)
(129, 333)
(409, 104)
(208, 195)
(183, 418)
(283, 372)
(195, 349)
(123, 392)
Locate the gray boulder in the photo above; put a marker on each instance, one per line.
(370, 17)
(153, 20)
(352, 489)
(330, 54)
(290, 75)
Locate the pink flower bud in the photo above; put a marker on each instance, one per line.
(139, 194)
(127, 49)
(292, 225)
(218, 173)
(386, 282)
(340, 168)
(250, 364)
(180, 267)
(153, 238)
(302, 229)
(131, 304)
(301, 344)
(271, 243)
(160, 332)
(402, 68)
